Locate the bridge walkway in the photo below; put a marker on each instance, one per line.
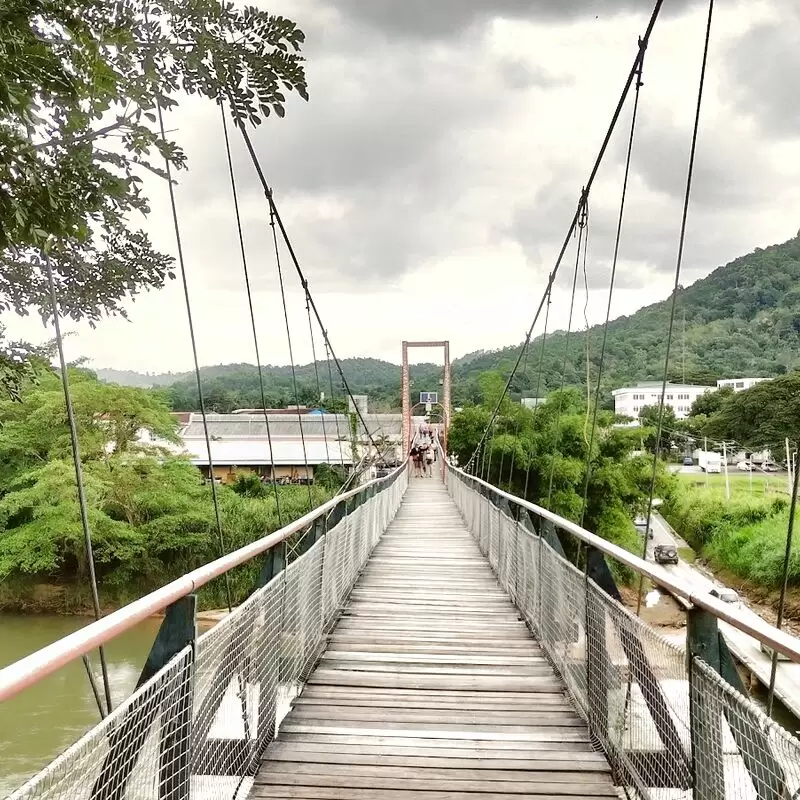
(431, 686)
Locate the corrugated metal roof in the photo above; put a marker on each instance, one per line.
(313, 425)
(256, 453)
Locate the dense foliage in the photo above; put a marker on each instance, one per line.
(546, 450)
(763, 416)
(80, 88)
(150, 512)
(745, 535)
(743, 319)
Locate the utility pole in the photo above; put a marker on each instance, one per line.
(705, 452)
(789, 466)
(725, 462)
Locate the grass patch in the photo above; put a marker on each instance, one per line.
(687, 554)
(740, 482)
(745, 535)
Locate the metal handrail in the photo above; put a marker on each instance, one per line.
(765, 633)
(31, 669)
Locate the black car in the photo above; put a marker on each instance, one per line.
(665, 554)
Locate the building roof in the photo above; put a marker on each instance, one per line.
(242, 453)
(314, 425)
(650, 385)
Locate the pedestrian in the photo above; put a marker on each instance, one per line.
(415, 460)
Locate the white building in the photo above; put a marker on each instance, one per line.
(630, 400)
(532, 402)
(739, 384)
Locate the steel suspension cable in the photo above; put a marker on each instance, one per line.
(257, 350)
(316, 376)
(189, 317)
(276, 217)
(614, 261)
(538, 389)
(291, 356)
(590, 181)
(516, 433)
(82, 505)
(583, 236)
(673, 305)
(335, 413)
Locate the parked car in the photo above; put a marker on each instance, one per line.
(725, 594)
(769, 467)
(744, 466)
(688, 462)
(665, 554)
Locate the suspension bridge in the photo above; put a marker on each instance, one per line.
(427, 639)
(422, 637)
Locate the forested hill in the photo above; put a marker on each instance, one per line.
(743, 319)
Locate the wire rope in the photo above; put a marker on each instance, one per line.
(76, 462)
(582, 237)
(275, 216)
(614, 262)
(538, 390)
(316, 376)
(291, 356)
(257, 350)
(592, 175)
(201, 400)
(673, 305)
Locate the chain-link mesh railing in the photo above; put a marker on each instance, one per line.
(197, 728)
(630, 684)
(137, 751)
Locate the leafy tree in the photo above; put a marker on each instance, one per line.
(34, 430)
(648, 418)
(710, 402)
(550, 443)
(762, 416)
(80, 85)
(330, 476)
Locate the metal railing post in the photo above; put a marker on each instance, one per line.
(708, 773)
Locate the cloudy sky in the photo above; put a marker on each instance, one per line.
(429, 181)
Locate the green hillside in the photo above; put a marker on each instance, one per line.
(743, 319)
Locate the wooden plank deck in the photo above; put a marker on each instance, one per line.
(431, 686)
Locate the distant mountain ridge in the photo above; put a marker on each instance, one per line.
(743, 319)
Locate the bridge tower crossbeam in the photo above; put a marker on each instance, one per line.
(406, 391)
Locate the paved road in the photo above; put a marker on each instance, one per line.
(744, 647)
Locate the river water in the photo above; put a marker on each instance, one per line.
(42, 721)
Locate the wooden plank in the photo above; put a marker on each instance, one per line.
(431, 775)
(431, 686)
(404, 739)
(266, 781)
(335, 793)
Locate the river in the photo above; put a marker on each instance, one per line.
(42, 721)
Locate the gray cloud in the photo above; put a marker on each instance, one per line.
(519, 74)
(445, 19)
(722, 177)
(761, 72)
